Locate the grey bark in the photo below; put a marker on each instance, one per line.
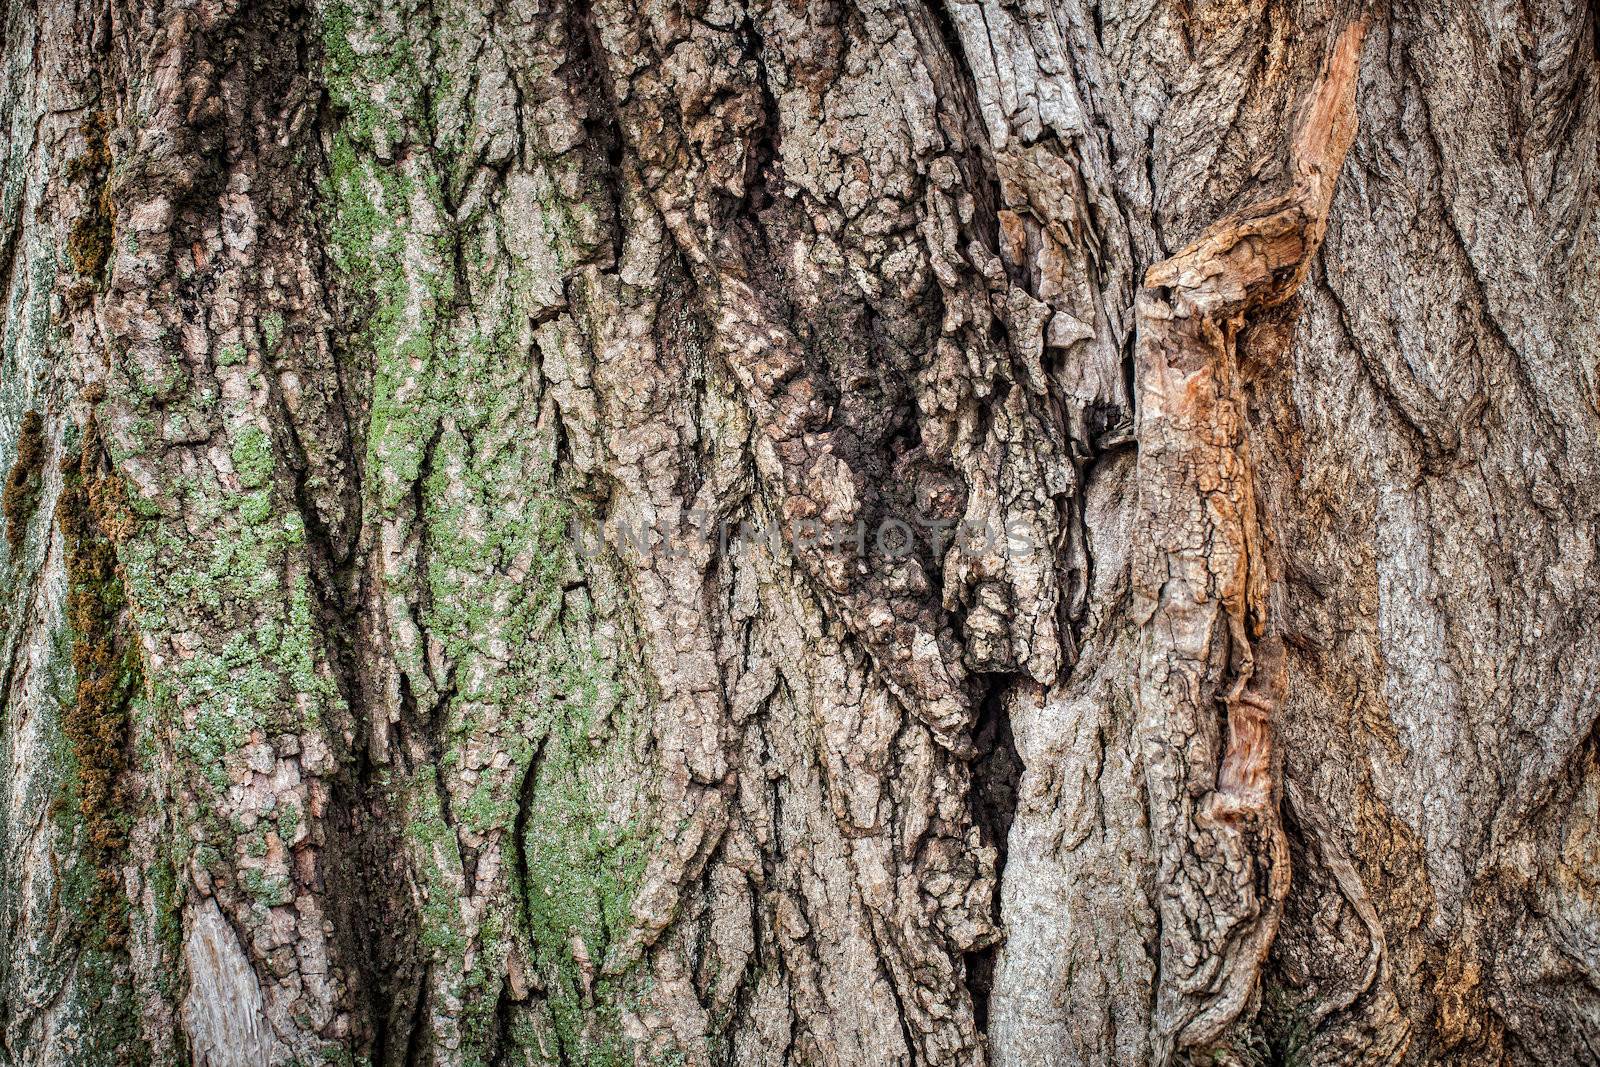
(1265, 329)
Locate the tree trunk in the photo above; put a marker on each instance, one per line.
(1028, 532)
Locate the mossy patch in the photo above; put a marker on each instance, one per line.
(582, 871)
(105, 659)
(1285, 1023)
(97, 705)
(90, 238)
(24, 481)
(459, 455)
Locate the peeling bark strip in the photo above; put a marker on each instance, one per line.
(1211, 659)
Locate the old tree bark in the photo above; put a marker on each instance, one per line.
(1267, 329)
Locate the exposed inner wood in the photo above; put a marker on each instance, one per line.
(1211, 657)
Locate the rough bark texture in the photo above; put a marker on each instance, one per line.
(1265, 331)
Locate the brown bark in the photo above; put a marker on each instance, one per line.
(1202, 571)
(1264, 331)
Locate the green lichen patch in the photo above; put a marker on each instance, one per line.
(252, 457)
(1284, 1021)
(443, 934)
(167, 922)
(268, 677)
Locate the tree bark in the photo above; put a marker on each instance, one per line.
(1028, 532)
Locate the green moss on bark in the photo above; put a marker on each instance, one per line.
(105, 659)
(92, 806)
(90, 237)
(505, 671)
(582, 869)
(24, 481)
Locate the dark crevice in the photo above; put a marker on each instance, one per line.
(504, 1019)
(363, 844)
(996, 771)
(417, 1028)
(519, 832)
(604, 152)
(681, 336)
(977, 164)
(10, 243)
(505, 1011)
(765, 151)
(886, 973)
(363, 856)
